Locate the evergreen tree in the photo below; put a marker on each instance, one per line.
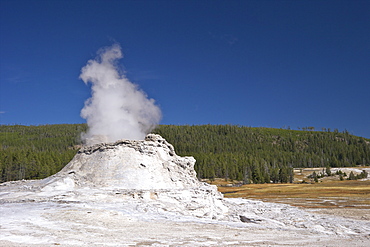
(351, 176)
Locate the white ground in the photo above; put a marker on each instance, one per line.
(132, 223)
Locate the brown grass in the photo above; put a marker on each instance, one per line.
(327, 194)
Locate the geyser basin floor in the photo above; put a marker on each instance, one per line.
(117, 224)
(140, 193)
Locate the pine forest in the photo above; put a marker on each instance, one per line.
(247, 154)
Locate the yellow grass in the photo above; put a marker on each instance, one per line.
(327, 194)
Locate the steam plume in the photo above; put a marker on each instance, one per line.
(117, 109)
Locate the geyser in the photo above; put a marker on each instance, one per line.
(117, 109)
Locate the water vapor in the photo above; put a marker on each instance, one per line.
(117, 109)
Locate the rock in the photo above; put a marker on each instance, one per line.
(248, 220)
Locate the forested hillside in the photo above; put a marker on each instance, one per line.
(263, 154)
(255, 155)
(32, 152)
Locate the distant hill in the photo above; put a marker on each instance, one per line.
(255, 155)
(263, 154)
(33, 152)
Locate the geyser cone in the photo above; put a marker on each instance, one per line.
(147, 172)
(148, 164)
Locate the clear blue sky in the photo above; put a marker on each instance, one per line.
(253, 63)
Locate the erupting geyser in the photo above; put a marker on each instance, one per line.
(117, 109)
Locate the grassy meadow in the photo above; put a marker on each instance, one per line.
(329, 192)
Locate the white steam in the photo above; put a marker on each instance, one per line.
(117, 109)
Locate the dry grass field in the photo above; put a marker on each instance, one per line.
(350, 198)
(332, 194)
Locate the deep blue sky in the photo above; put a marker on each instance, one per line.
(253, 63)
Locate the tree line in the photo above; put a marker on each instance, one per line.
(35, 152)
(263, 155)
(251, 155)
